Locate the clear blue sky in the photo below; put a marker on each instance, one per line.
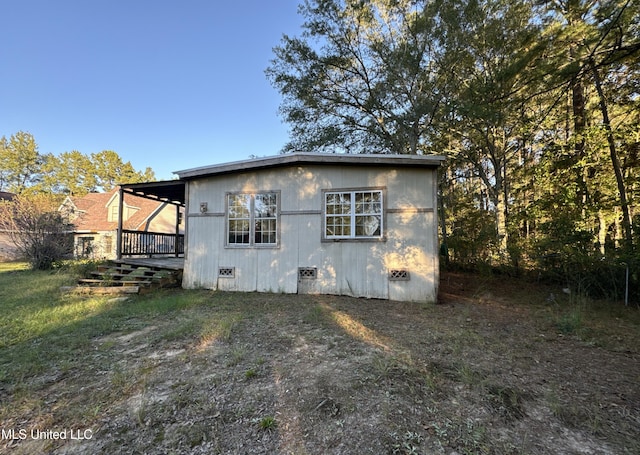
(167, 84)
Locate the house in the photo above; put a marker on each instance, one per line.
(358, 225)
(8, 250)
(96, 220)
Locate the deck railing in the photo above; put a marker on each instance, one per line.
(141, 243)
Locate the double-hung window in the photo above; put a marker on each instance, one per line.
(353, 214)
(252, 219)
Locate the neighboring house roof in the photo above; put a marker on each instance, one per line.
(4, 196)
(91, 212)
(291, 159)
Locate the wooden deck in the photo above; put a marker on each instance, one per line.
(166, 263)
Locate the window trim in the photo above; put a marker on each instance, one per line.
(252, 219)
(353, 238)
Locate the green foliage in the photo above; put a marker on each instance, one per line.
(24, 170)
(20, 162)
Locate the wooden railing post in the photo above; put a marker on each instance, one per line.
(175, 247)
(119, 238)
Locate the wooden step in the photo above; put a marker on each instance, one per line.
(101, 290)
(126, 279)
(115, 283)
(118, 276)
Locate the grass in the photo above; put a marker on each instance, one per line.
(482, 374)
(35, 315)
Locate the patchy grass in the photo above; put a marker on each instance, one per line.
(497, 367)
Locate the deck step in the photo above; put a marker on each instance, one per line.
(101, 290)
(126, 279)
(114, 283)
(111, 276)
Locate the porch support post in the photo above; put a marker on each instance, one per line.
(120, 208)
(176, 247)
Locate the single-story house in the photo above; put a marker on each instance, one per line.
(358, 225)
(95, 217)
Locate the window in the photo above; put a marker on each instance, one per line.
(85, 246)
(353, 214)
(252, 219)
(113, 213)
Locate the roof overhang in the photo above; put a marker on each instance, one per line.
(292, 159)
(170, 191)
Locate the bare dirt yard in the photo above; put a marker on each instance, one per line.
(498, 366)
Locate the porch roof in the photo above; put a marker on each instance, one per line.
(171, 191)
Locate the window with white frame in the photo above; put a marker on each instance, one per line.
(252, 219)
(353, 214)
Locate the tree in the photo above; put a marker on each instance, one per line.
(20, 162)
(496, 44)
(110, 171)
(600, 43)
(364, 77)
(71, 173)
(24, 170)
(37, 229)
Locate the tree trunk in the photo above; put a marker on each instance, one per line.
(615, 161)
(602, 232)
(501, 220)
(443, 223)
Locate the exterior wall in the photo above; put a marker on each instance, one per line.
(350, 267)
(8, 250)
(102, 245)
(163, 221)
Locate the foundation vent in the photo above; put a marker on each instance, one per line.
(226, 272)
(399, 275)
(307, 273)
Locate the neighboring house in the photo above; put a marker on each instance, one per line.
(359, 225)
(8, 249)
(95, 217)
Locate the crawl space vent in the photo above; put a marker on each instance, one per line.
(398, 275)
(226, 272)
(307, 273)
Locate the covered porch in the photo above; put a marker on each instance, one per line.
(153, 249)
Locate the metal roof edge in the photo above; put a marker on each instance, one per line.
(312, 158)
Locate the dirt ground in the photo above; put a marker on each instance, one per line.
(494, 368)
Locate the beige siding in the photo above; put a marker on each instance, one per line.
(8, 250)
(358, 268)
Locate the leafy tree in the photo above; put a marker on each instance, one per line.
(597, 43)
(20, 162)
(496, 44)
(110, 171)
(24, 170)
(364, 77)
(71, 173)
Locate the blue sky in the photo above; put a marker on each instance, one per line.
(166, 84)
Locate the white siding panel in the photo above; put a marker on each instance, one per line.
(201, 264)
(352, 268)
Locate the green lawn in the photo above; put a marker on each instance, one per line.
(44, 329)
